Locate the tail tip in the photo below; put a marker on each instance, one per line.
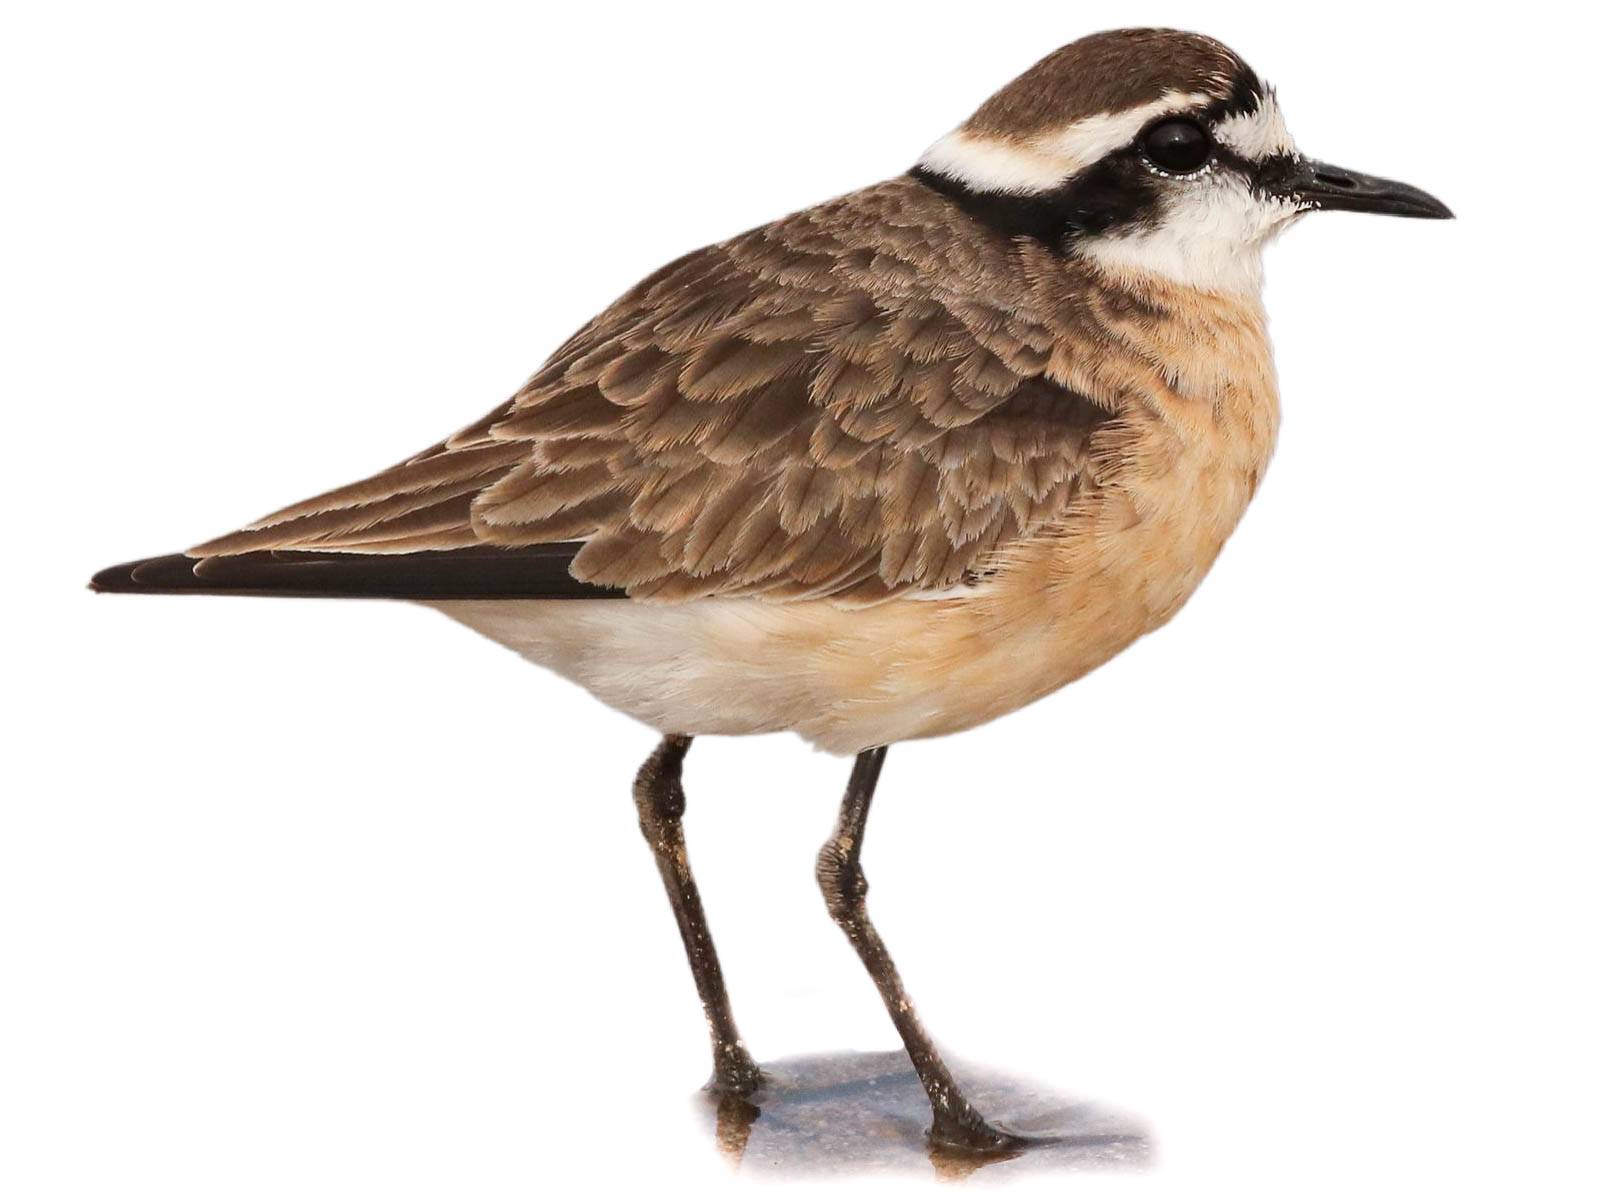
(162, 573)
(116, 579)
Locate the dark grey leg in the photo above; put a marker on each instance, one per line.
(659, 796)
(845, 890)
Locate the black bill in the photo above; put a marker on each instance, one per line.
(1324, 186)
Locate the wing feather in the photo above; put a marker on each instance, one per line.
(867, 398)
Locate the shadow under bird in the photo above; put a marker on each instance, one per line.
(887, 468)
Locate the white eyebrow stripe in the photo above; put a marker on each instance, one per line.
(1259, 134)
(987, 163)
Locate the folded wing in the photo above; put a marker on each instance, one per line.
(855, 402)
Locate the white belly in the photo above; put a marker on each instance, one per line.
(719, 667)
(843, 678)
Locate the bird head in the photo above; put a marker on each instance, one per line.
(1148, 152)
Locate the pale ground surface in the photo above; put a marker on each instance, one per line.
(336, 902)
(864, 1112)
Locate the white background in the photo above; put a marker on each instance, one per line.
(333, 901)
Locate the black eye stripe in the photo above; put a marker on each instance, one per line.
(1118, 191)
(1122, 191)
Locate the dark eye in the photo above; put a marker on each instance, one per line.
(1178, 145)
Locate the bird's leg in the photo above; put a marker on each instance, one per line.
(659, 796)
(845, 890)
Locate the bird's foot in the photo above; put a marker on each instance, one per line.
(734, 1073)
(963, 1131)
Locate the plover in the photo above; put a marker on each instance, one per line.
(884, 469)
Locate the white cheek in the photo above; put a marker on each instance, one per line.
(1211, 236)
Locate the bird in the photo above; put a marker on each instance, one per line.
(884, 469)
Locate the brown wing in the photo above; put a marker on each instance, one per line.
(856, 401)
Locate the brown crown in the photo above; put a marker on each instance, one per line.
(1110, 72)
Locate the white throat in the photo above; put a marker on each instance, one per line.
(1212, 239)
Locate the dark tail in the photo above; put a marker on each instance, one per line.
(162, 574)
(469, 574)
